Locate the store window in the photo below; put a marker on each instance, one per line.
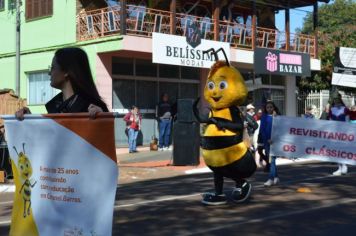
(39, 89)
(122, 66)
(2, 5)
(168, 71)
(190, 73)
(38, 8)
(189, 91)
(123, 94)
(140, 82)
(147, 94)
(146, 68)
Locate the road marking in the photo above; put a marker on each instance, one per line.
(259, 220)
(7, 188)
(279, 162)
(6, 203)
(157, 200)
(164, 199)
(5, 223)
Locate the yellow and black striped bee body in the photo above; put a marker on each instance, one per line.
(225, 143)
(222, 144)
(25, 170)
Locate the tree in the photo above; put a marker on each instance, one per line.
(336, 28)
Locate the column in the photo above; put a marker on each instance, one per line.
(290, 96)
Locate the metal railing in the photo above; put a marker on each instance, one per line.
(142, 21)
(317, 100)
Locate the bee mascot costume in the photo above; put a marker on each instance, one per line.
(222, 144)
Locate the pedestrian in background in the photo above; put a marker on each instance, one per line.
(339, 112)
(258, 115)
(70, 72)
(325, 114)
(133, 122)
(251, 124)
(352, 114)
(270, 111)
(164, 116)
(309, 113)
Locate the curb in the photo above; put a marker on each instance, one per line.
(279, 162)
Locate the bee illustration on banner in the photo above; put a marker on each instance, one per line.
(223, 148)
(25, 170)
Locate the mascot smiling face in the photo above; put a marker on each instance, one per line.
(225, 86)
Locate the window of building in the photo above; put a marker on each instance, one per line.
(141, 82)
(145, 68)
(38, 8)
(190, 73)
(122, 66)
(2, 4)
(168, 71)
(39, 89)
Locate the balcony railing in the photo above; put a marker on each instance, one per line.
(142, 21)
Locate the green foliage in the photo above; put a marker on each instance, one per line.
(336, 28)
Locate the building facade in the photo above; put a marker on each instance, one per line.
(118, 37)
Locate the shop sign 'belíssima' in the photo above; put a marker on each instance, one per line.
(267, 61)
(176, 50)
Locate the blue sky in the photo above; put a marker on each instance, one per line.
(296, 18)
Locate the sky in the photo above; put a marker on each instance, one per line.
(296, 17)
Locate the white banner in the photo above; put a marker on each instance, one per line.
(324, 140)
(65, 174)
(344, 72)
(174, 50)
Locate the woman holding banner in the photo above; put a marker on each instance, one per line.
(70, 72)
(339, 112)
(270, 110)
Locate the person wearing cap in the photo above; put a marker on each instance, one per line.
(250, 123)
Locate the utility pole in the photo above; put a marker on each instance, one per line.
(18, 31)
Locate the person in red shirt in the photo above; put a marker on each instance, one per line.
(133, 123)
(352, 114)
(258, 115)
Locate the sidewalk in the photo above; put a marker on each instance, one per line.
(148, 164)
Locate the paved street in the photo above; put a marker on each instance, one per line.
(170, 205)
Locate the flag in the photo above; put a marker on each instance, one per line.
(65, 174)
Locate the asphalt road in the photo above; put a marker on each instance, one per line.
(171, 205)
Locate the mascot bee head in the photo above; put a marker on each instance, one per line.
(225, 86)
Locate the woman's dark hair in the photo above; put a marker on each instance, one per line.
(335, 96)
(274, 107)
(74, 61)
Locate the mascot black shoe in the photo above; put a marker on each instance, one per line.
(223, 149)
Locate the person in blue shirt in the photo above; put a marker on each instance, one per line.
(309, 113)
(270, 111)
